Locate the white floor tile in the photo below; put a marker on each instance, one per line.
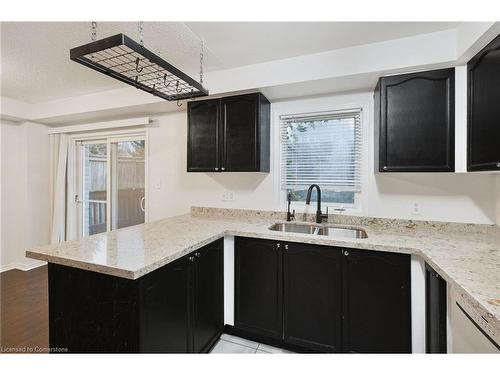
(226, 347)
(239, 340)
(272, 350)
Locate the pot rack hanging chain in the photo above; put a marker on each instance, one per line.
(93, 35)
(94, 31)
(201, 62)
(141, 33)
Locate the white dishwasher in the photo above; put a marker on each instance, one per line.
(471, 332)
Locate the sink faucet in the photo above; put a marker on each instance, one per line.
(319, 215)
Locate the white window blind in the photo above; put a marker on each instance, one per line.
(323, 149)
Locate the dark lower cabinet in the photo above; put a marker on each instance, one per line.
(258, 307)
(312, 293)
(331, 299)
(208, 297)
(90, 312)
(435, 312)
(164, 304)
(376, 313)
(175, 309)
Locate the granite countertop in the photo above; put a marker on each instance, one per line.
(466, 256)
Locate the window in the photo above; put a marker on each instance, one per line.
(323, 149)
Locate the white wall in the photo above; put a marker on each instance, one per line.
(173, 191)
(25, 193)
(467, 197)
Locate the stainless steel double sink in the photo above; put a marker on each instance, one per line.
(319, 230)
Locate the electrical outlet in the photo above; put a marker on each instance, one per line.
(415, 208)
(227, 196)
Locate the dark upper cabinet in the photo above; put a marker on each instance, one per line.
(312, 296)
(231, 134)
(376, 304)
(435, 312)
(208, 296)
(258, 287)
(203, 136)
(415, 122)
(245, 119)
(483, 109)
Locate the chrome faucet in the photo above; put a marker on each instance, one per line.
(319, 215)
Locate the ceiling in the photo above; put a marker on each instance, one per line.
(245, 43)
(35, 55)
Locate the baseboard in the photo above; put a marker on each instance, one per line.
(22, 266)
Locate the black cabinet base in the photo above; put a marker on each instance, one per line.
(177, 308)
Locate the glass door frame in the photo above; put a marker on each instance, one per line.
(79, 143)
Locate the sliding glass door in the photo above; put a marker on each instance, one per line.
(94, 187)
(127, 183)
(111, 183)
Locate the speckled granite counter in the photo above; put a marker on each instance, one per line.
(467, 256)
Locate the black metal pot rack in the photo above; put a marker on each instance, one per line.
(122, 58)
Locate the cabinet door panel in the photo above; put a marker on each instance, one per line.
(312, 296)
(164, 309)
(483, 109)
(376, 302)
(258, 287)
(435, 312)
(203, 136)
(240, 119)
(208, 306)
(417, 122)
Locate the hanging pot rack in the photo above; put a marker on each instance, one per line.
(122, 58)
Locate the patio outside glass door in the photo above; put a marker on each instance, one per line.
(111, 182)
(127, 183)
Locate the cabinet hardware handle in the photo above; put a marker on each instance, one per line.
(385, 167)
(278, 245)
(197, 254)
(223, 169)
(216, 168)
(191, 259)
(498, 164)
(346, 253)
(286, 247)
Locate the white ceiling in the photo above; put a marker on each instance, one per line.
(36, 66)
(245, 43)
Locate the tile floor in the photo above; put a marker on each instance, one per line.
(236, 345)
